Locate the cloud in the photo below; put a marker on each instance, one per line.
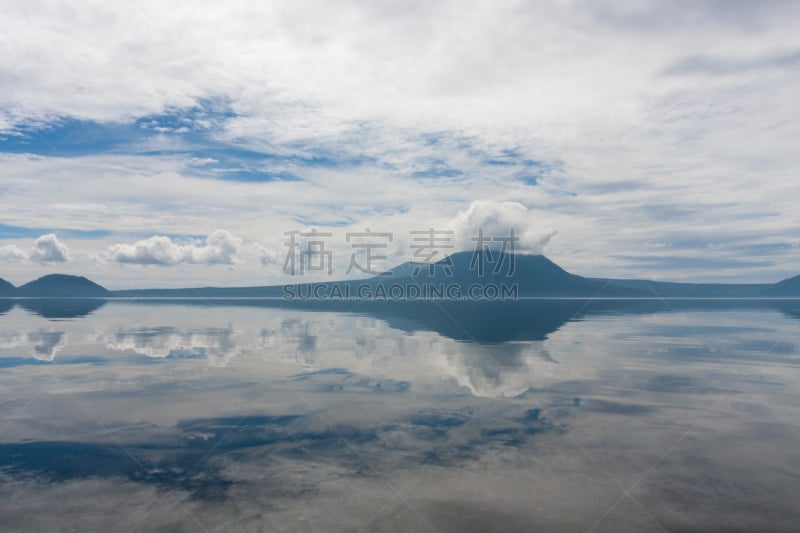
(48, 249)
(220, 248)
(267, 256)
(704, 65)
(10, 253)
(618, 123)
(496, 220)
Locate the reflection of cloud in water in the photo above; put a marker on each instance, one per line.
(316, 410)
(363, 344)
(11, 339)
(506, 370)
(44, 344)
(304, 333)
(395, 442)
(314, 341)
(495, 370)
(215, 344)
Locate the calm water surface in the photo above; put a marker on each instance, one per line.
(530, 416)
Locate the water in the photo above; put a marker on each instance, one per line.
(537, 415)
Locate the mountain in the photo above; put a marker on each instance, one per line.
(533, 275)
(61, 286)
(6, 289)
(453, 277)
(787, 287)
(262, 291)
(667, 289)
(463, 275)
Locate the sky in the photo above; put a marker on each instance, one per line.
(152, 144)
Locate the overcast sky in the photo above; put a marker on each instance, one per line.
(149, 145)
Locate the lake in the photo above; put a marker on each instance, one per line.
(537, 415)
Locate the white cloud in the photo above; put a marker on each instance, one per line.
(267, 256)
(672, 122)
(220, 248)
(11, 253)
(48, 249)
(497, 220)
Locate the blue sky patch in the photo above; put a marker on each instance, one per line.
(19, 232)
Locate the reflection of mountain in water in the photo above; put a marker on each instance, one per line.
(486, 321)
(479, 321)
(62, 308)
(6, 306)
(499, 348)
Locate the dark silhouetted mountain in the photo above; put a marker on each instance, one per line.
(533, 275)
(787, 287)
(667, 289)
(62, 286)
(6, 289)
(265, 291)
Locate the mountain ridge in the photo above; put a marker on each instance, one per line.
(535, 275)
(532, 275)
(62, 286)
(6, 288)
(789, 286)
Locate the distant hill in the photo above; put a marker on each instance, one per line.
(6, 289)
(787, 287)
(60, 286)
(264, 291)
(534, 275)
(667, 289)
(453, 277)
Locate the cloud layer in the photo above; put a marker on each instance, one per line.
(219, 248)
(652, 136)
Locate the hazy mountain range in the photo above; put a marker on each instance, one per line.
(532, 275)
